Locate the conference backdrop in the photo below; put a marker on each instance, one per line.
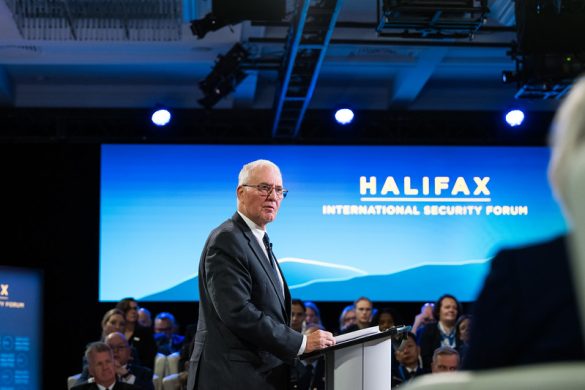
(21, 339)
(391, 223)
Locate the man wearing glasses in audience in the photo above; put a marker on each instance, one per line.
(243, 340)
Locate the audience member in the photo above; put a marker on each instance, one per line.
(408, 361)
(463, 333)
(445, 359)
(531, 288)
(297, 315)
(113, 321)
(347, 318)
(442, 332)
(125, 372)
(144, 317)
(165, 337)
(101, 367)
(139, 337)
(424, 317)
(386, 318)
(363, 311)
(312, 314)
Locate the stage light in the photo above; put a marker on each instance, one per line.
(225, 76)
(344, 116)
(514, 118)
(161, 117)
(200, 27)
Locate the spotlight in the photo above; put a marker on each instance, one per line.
(225, 76)
(161, 117)
(344, 116)
(514, 118)
(200, 27)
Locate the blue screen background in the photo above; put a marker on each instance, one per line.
(159, 203)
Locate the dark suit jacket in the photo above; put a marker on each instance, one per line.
(142, 340)
(93, 386)
(429, 340)
(527, 311)
(243, 332)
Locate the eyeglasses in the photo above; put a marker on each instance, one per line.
(266, 190)
(117, 348)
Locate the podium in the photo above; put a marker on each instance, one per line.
(359, 360)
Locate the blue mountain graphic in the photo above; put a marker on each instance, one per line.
(424, 283)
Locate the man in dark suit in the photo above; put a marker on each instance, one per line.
(243, 340)
(100, 360)
(527, 311)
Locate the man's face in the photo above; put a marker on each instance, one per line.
(163, 325)
(448, 312)
(101, 367)
(120, 348)
(408, 353)
(445, 363)
(297, 317)
(260, 208)
(363, 311)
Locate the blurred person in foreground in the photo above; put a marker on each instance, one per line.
(531, 288)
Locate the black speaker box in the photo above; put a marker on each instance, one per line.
(550, 26)
(256, 10)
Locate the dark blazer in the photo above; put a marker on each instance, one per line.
(527, 311)
(117, 386)
(243, 337)
(429, 340)
(142, 340)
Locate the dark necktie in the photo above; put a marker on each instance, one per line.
(268, 246)
(271, 257)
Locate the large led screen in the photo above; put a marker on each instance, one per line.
(20, 328)
(390, 223)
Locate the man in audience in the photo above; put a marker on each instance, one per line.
(167, 341)
(445, 359)
(127, 372)
(101, 367)
(363, 311)
(409, 363)
(297, 315)
(531, 288)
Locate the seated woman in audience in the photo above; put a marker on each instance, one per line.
(463, 333)
(139, 337)
(347, 318)
(312, 314)
(113, 321)
(442, 332)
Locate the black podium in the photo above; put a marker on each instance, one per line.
(359, 360)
